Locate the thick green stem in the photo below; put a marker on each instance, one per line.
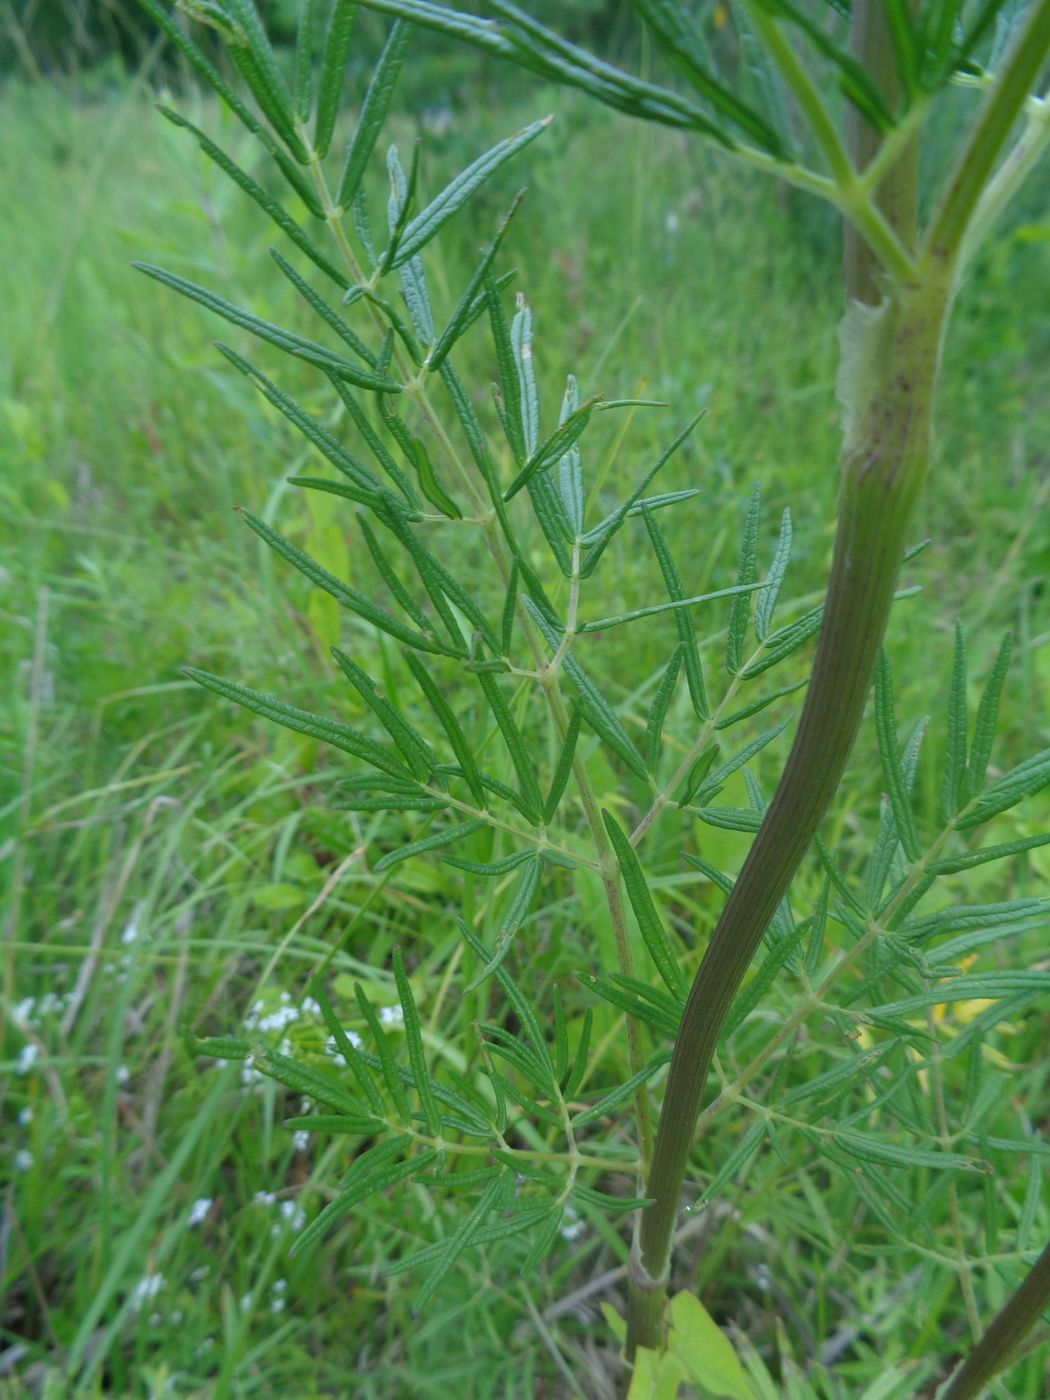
(890, 363)
(1008, 1328)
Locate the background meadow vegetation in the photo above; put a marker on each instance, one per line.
(168, 860)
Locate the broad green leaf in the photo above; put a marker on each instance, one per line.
(704, 1349)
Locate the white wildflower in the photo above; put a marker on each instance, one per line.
(145, 1290)
(199, 1211)
(27, 1058)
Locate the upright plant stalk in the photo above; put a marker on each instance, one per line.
(891, 344)
(1012, 1322)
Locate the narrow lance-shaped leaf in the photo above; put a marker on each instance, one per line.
(390, 578)
(360, 1191)
(676, 32)
(522, 1008)
(564, 767)
(956, 737)
(896, 790)
(253, 57)
(519, 754)
(661, 950)
(291, 344)
(327, 313)
(450, 724)
(417, 753)
(261, 197)
(746, 573)
(333, 65)
(986, 721)
(414, 1041)
(623, 1091)
(304, 53)
(658, 709)
(347, 1049)
(510, 385)
(767, 599)
(348, 597)
(1028, 777)
(736, 590)
(686, 633)
(437, 842)
(373, 112)
(329, 731)
(468, 305)
(523, 893)
(460, 1241)
(401, 202)
(560, 442)
(452, 198)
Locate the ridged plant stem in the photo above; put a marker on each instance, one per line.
(883, 467)
(1018, 1315)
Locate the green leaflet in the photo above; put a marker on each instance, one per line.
(621, 1093)
(291, 344)
(885, 726)
(560, 442)
(577, 1069)
(460, 747)
(780, 644)
(985, 723)
(519, 754)
(522, 1219)
(521, 1007)
(414, 1040)
(414, 748)
(329, 731)
(764, 978)
(676, 31)
(461, 1240)
(261, 196)
(522, 894)
(661, 950)
(348, 597)
(333, 64)
(337, 1124)
(426, 224)
(747, 573)
(327, 313)
(470, 304)
(658, 709)
(767, 599)
(631, 1000)
(354, 1060)
(730, 1168)
(606, 622)
(373, 112)
(303, 1079)
(360, 1191)
(564, 767)
(686, 633)
(387, 1066)
(447, 837)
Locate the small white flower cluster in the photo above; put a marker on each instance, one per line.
(331, 1048)
(31, 1011)
(281, 1017)
(291, 1214)
(145, 1291)
(573, 1227)
(277, 1300)
(199, 1211)
(391, 1016)
(27, 1058)
(23, 1160)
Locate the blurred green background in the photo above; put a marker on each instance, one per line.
(167, 860)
